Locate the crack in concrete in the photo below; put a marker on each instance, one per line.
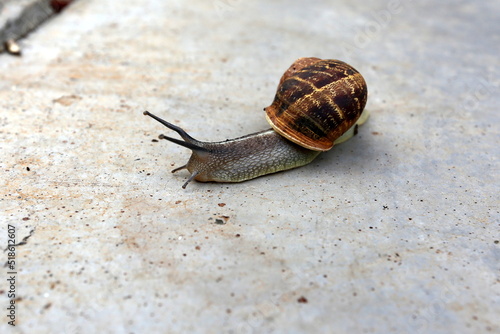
(25, 239)
(22, 242)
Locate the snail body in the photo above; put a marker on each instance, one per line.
(318, 103)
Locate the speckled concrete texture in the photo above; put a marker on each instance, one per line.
(393, 231)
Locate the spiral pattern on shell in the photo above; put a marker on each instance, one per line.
(317, 101)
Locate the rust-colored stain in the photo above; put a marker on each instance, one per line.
(59, 5)
(67, 100)
(302, 300)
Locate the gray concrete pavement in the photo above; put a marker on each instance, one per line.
(394, 231)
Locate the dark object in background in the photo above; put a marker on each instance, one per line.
(20, 17)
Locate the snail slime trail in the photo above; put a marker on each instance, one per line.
(318, 103)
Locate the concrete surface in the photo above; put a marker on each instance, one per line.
(394, 231)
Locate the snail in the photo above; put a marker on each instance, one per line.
(318, 103)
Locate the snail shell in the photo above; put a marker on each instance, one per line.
(316, 102)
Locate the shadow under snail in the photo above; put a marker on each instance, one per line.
(318, 103)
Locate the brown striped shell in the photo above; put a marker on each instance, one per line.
(316, 102)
